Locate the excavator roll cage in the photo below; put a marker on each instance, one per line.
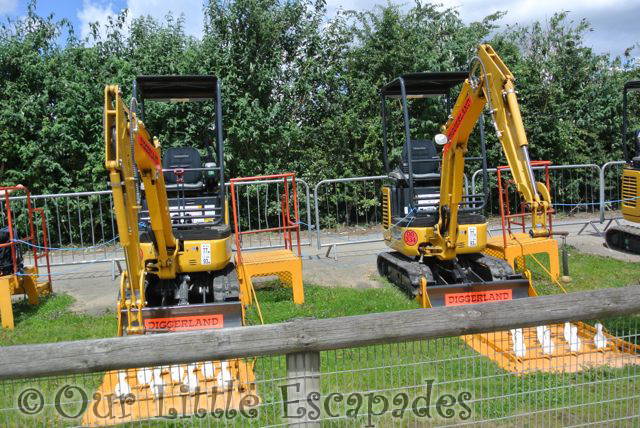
(420, 164)
(172, 219)
(182, 167)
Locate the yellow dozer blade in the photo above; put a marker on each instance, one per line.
(171, 392)
(569, 347)
(181, 390)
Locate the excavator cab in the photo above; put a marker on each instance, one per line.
(415, 188)
(192, 181)
(625, 237)
(413, 210)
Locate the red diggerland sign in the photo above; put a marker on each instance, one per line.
(470, 298)
(191, 322)
(148, 148)
(455, 126)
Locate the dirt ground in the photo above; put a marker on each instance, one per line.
(347, 265)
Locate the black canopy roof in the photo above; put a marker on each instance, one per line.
(424, 84)
(167, 88)
(632, 85)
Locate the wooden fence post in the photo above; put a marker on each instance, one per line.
(302, 389)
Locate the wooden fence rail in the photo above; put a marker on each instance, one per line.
(310, 335)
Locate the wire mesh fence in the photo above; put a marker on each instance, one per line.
(435, 382)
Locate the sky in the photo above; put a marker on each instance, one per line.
(616, 23)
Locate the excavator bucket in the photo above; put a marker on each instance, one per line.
(569, 347)
(180, 390)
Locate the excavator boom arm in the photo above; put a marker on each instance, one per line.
(494, 87)
(126, 142)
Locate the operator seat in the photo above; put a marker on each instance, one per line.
(425, 164)
(426, 187)
(182, 158)
(190, 195)
(426, 184)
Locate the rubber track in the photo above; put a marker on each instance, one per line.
(410, 269)
(499, 268)
(623, 235)
(226, 286)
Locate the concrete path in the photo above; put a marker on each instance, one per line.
(354, 265)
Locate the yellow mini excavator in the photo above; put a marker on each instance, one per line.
(437, 234)
(439, 237)
(627, 238)
(174, 230)
(176, 236)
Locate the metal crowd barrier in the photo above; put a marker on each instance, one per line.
(81, 226)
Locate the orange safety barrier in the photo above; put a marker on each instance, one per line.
(515, 243)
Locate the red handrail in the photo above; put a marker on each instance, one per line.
(289, 223)
(508, 218)
(31, 237)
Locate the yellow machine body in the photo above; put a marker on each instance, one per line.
(165, 257)
(494, 86)
(431, 235)
(216, 251)
(16, 277)
(26, 284)
(472, 238)
(626, 237)
(630, 194)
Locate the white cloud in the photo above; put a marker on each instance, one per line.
(91, 13)
(158, 9)
(525, 11)
(8, 6)
(615, 22)
(192, 10)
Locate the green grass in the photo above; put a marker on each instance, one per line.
(277, 305)
(404, 367)
(588, 272)
(53, 321)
